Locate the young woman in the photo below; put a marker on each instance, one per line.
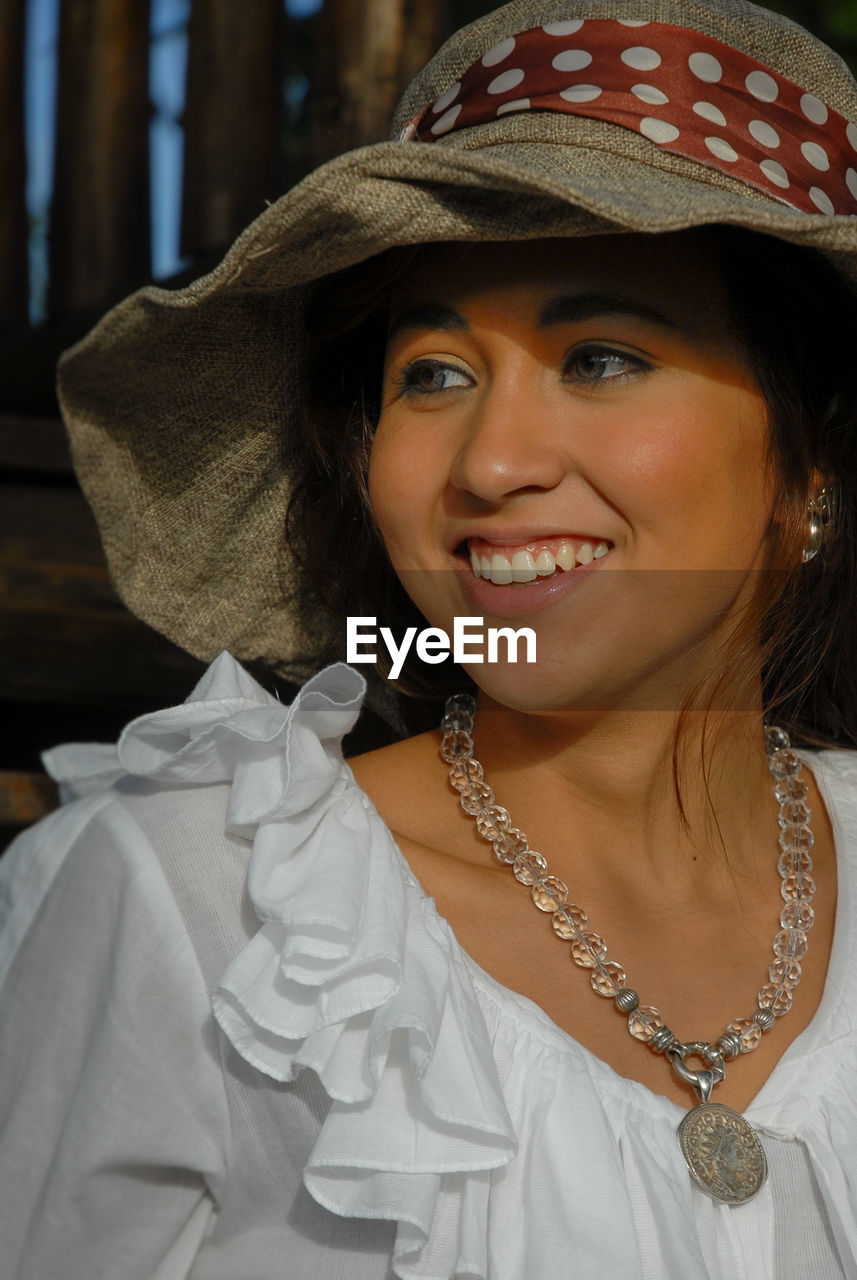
(572, 354)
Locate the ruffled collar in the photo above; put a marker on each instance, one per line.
(351, 973)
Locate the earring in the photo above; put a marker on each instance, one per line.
(819, 512)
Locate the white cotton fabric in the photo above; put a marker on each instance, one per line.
(236, 1040)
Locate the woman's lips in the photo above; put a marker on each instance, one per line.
(521, 563)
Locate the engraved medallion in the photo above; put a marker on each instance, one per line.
(723, 1153)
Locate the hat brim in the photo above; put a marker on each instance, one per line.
(185, 408)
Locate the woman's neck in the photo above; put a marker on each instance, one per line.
(626, 781)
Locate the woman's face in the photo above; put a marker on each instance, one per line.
(571, 440)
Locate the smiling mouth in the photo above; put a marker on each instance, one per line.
(528, 562)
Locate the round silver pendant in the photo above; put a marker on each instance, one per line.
(723, 1153)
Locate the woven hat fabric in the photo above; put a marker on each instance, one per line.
(186, 409)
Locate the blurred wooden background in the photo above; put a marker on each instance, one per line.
(74, 664)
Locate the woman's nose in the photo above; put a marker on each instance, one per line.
(510, 443)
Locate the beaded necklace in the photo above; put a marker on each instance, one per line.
(723, 1153)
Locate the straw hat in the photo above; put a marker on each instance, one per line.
(545, 118)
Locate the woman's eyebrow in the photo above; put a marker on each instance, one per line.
(427, 315)
(571, 309)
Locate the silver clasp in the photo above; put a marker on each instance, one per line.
(704, 1080)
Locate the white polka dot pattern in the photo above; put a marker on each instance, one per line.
(658, 130)
(506, 80)
(447, 99)
(773, 170)
(813, 109)
(580, 93)
(705, 67)
(563, 28)
(641, 58)
(764, 133)
(590, 68)
(516, 104)
(816, 155)
(720, 147)
(762, 86)
(709, 112)
(648, 93)
(571, 60)
(499, 53)
(821, 200)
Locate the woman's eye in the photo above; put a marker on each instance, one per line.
(427, 377)
(591, 364)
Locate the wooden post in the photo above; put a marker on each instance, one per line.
(368, 51)
(232, 119)
(100, 215)
(14, 275)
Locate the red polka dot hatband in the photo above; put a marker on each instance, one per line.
(544, 118)
(684, 91)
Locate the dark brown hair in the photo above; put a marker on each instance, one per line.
(796, 317)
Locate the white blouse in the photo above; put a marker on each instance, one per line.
(237, 1041)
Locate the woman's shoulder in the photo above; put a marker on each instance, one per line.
(182, 797)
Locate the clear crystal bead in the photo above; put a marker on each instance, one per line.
(549, 893)
(794, 862)
(748, 1031)
(588, 950)
(797, 914)
(475, 796)
(456, 745)
(510, 844)
(775, 738)
(607, 978)
(784, 763)
(776, 998)
(790, 789)
(463, 772)
(462, 703)
(455, 720)
(492, 821)
(790, 944)
(529, 866)
(644, 1022)
(786, 973)
(794, 813)
(798, 885)
(569, 921)
(796, 838)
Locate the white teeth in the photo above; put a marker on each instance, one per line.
(501, 570)
(565, 556)
(545, 564)
(523, 567)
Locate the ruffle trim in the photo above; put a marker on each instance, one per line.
(351, 973)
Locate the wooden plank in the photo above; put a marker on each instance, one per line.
(100, 214)
(34, 444)
(14, 275)
(232, 119)
(367, 52)
(66, 637)
(25, 797)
